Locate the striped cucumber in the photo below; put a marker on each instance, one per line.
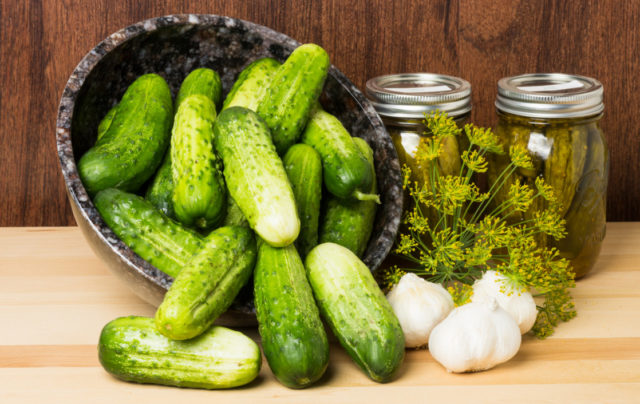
(255, 176)
(356, 310)
(347, 173)
(234, 216)
(293, 337)
(131, 150)
(153, 236)
(252, 84)
(304, 169)
(131, 349)
(199, 193)
(105, 123)
(350, 222)
(293, 92)
(208, 283)
(200, 81)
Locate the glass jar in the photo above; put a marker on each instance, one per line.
(557, 118)
(401, 100)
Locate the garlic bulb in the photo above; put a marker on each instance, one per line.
(419, 306)
(474, 337)
(519, 304)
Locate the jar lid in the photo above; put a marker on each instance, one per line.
(550, 95)
(411, 95)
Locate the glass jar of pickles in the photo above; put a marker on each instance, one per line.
(557, 118)
(403, 99)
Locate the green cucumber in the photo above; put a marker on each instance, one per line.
(255, 176)
(293, 92)
(131, 349)
(160, 192)
(199, 193)
(131, 150)
(350, 222)
(159, 240)
(200, 81)
(356, 310)
(293, 337)
(304, 169)
(234, 215)
(252, 84)
(105, 123)
(208, 283)
(347, 173)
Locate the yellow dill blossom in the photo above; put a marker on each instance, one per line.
(454, 238)
(483, 138)
(521, 196)
(520, 157)
(475, 161)
(391, 276)
(406, 176)
(461, 293)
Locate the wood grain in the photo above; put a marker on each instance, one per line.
(55, 296)
(480, 40)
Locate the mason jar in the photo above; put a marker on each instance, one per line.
(557, 118)
(402, 100)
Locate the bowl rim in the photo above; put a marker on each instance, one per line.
(74, 187)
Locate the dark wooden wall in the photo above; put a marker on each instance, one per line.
(41, 41)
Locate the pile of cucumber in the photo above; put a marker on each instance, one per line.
(234, 190)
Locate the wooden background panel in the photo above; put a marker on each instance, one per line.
(480, 40)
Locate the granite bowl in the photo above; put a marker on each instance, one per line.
(172, 46)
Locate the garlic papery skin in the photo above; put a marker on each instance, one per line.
(419, 306)
(518, 303)
(475, 337)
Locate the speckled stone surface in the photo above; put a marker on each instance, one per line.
(172, 46)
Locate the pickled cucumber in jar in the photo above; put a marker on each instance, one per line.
(556, 118)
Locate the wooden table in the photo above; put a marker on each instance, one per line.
(55, 296)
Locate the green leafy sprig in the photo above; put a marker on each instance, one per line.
(455, 232)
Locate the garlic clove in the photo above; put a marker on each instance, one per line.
(475, 337)
(419, 305)
(519, 304)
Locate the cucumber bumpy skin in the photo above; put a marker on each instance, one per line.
(252, 84)
(347, 173)
(160, 192)
(199, 192)
(350, 222)
(200, 81)
(131, 150)
(255, 176)
(131, 349)
(208, 283)
(293, 92)
(357, 311)
(293, 337)
(304, 169)
(159, 240)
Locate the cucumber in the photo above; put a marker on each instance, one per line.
(255, 176)
(356, 310)
(200, 81)
(105, 123)
(208, 283)
(160, 192)
(252, 84)
(199, 193)
(159, 240)
(347, 173)
(234, 215)
(293, 91)
(350, 222)
(131, 349)
(131, 150)
(304, 169)
(293, 337)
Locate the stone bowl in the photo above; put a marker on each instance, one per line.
(172, 46)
